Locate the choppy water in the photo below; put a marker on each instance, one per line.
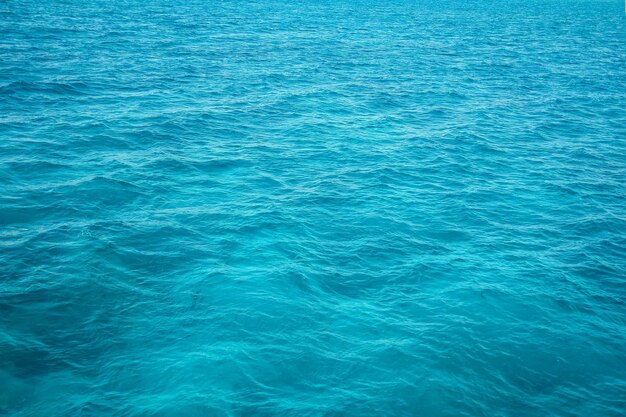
(303, 209)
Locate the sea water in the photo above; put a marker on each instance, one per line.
(313, 208)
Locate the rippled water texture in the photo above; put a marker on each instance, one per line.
(313, 209)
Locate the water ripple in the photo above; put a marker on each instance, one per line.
(313, 208)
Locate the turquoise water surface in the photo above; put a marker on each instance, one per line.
(317, 208)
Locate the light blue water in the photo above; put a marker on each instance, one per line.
(266, 208)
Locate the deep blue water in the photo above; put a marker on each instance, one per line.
(266, 208)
